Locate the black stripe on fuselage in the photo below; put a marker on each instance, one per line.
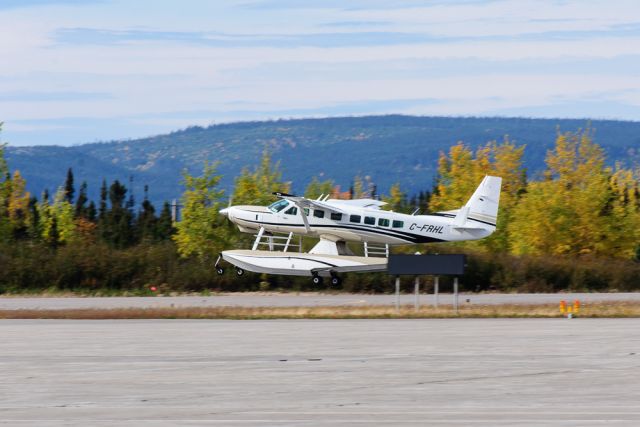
(402, 235)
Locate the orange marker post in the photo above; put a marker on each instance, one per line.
(576, 306)
(563, 306)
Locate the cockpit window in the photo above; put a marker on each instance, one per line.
(278, 206)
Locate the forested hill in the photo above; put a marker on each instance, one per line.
(389, 149)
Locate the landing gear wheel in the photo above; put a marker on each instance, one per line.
(220, 271)
(317, 280)
(335, 281)
(239, 272)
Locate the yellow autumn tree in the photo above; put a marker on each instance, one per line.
(5, 192)
(257, 187)
(455, 183)
(396, 200)
(18, 205)
(317, 188)
(461, 171)
(624, 210)
(574, 209)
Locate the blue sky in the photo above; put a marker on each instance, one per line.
(84, 71)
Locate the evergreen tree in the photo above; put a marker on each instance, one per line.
(34, 219)
(69, 190)
(91, 212)
(102, 210)
(81, 209)
(118, 222)
(165, 227)
(146, 223)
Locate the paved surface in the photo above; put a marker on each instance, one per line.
(491, 372)
(303, 299)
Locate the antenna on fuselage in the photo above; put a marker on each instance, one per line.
(415, 212)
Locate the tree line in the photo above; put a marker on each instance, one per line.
(564, 229)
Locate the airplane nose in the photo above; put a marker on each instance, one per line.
(224, 212)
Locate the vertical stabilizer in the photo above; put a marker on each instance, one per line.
(483, 205)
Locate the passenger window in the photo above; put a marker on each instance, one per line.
(354, 218)
(369, 220)
(306, 211)
(292, 211)
(398, 224)
(383, 222)
(318, 214)
(336, 216)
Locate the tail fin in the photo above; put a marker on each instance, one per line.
(483, 205)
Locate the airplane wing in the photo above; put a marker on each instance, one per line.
(303, 202)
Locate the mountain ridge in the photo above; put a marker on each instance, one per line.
(388, 148)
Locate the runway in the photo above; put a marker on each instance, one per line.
(298, 300)
(320, 372)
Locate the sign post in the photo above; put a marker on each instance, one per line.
(397, 294)
(433, 265)
(455, 293)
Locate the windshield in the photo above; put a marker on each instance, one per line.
(278, 206)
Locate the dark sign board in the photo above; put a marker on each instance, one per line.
(433, 265)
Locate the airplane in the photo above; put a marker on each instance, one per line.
(336, 222)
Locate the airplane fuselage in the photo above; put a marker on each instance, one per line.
(355, 224)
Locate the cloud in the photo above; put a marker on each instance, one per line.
(354, 4)
(212, 39)
(353, 24)
(628, 65)
(27, 96)
(16, 4)
(94, 36)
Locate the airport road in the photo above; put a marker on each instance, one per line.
(491, 372)
(298, 300)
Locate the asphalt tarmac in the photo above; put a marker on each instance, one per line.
(300, 300)
(490, 372)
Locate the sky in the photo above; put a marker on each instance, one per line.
(75, 71)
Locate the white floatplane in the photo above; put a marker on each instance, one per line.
(336, 222)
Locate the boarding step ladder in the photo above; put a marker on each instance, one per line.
(276, 240)
(376, 250)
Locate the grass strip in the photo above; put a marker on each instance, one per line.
(612, 309)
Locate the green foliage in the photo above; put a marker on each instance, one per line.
(200, 232)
